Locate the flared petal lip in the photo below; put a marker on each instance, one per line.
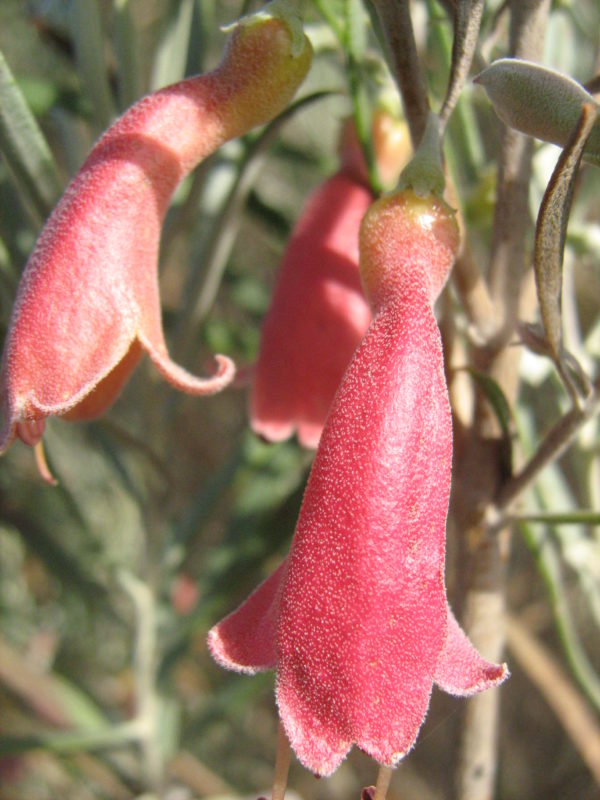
(27, 406)
(308, 434)
(183, 380)
(327, 758)
(218, 651)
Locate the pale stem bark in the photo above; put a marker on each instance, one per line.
(481, 469)
(282, 765)
(384, 777)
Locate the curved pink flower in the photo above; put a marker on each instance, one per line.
(318, 313)
(88, 304)
(356, 621)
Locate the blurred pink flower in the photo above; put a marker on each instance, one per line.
(356, 620)
(318, 313)
(88, 304)
(317, 317)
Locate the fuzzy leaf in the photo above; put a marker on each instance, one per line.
(551, 229)
(538, 101)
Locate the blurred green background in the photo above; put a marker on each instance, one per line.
(169, 510)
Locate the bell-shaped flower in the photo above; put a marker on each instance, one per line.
(88, 303)
(318, 313)
(356, 620)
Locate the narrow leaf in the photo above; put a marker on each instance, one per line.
(86, 27)
(128, 54)
(172, 52)
(356, 42)
(551, 229)
(25, 149)
(493, 393)
(204, 284)
(497, 399)
(549, 567)
(467, 21)
(106, 738)
(331, 14)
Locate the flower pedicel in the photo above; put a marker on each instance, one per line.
(88, 303)
(356, 620)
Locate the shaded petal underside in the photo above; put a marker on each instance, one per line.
(245, 640)
(461, 670)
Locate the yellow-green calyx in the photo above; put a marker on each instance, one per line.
(284, 10)
(424, 173)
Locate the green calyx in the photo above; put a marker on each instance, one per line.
(424, 173)
(284, 10)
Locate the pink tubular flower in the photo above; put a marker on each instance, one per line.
(318, 314)
(88, 303)
(317, 317)
(356, 620)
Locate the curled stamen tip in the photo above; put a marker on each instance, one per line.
(42, 464)
(368, 793)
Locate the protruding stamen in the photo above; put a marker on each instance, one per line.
(42, 464)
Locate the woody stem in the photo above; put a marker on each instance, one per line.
(384, 776)
(282, 765)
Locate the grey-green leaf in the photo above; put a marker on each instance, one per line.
(538, 101)
(25, 149)
(551, 229)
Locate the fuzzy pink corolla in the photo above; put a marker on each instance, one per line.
(356, 620)
(318, 313)
(317, 316)
(88, 303)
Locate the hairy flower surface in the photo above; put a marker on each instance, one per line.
(356, 620)
(88, 304)
(318, 314)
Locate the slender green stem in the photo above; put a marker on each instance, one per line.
(145, 676)
(548, 565)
